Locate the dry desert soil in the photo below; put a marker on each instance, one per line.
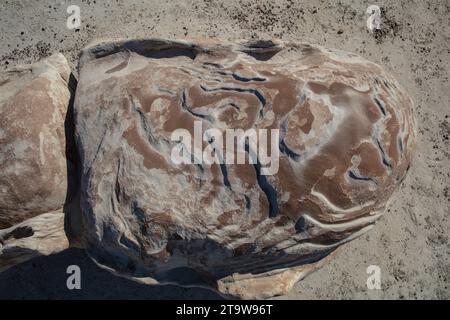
(410, 243)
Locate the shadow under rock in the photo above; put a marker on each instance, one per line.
(45, 278)
(73, 225)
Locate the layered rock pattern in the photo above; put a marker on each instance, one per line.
(346, 142)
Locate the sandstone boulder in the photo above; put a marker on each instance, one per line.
(33, 169)
(346, 137)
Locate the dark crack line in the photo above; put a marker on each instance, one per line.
(383, 155)
(266, 187)
(233, 74)
(224, 170)
(245, 79)
(232, 104)
(255, 92)
(186, 107)
(117, 190)
(223, 167)
(270, 192)
(248, 203)
(380, 106)
(400, 145)
(284, 149)
(241, 78)
(215, 65)
(358, 177)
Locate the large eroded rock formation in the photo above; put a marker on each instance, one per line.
(346, 142)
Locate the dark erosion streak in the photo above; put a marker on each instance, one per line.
(248, 203)
(287, 151)
(224, 170)
(258, 94)
(270, 192)
(400, 145)
(380, 106)
(185, 106)
(284, 149)
(383, 155)
(241, 78)
(357, 177)
(245, 79)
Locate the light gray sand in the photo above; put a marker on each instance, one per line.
(411, 242)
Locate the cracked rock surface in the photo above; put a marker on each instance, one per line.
(346, 142)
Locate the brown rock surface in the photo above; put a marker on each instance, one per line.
(346, 142)
(33, 169)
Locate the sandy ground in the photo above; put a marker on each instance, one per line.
(411, 242)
